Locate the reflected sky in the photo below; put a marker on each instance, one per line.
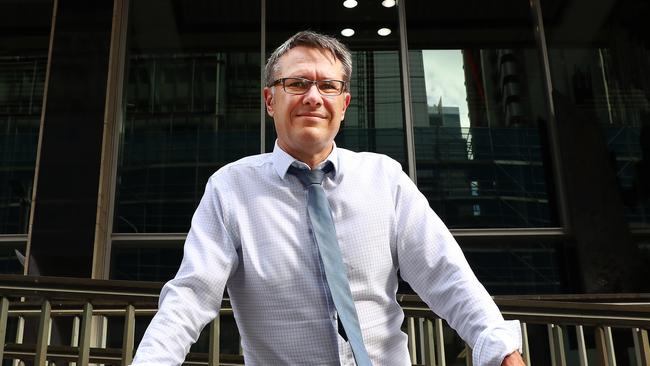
(444, 78)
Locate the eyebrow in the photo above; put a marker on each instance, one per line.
(308, 78)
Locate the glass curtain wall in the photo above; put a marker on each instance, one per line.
(374, 120)
(600, 67)
(191, 105)
(24, 36)
(481, 145)
(479, 114)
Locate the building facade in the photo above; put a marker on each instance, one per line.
(526, 124)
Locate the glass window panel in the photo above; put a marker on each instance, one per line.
(24, 36)
(192, 105)
(374, 120)
(157, 262)
(600, 68)
(532, 268)
(479, 113)
(12, 260)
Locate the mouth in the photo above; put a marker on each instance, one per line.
(312, 115)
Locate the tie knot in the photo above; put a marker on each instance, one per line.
(309, 177)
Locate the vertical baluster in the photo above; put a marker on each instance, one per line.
(4, 313)
(641, 346)
(421, 339)
(74, 336)
(605, 346)
(20, 332)
(551, 343)
(468, 356)
(429, 351)
(83, 357)
(43, 334)
(609, 341)
(215, 351)
(128, 338)
(440, 343)
(525, 348)
(410, 331)
(582, 348)
(556, 339)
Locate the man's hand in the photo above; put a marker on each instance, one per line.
(513, 359)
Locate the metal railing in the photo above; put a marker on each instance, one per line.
(85, 303)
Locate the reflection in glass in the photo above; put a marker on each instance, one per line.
(191, 106)
(374, 120)
(478, 115)
(24, 36)
(145, 264)
(600, 70)
(530, 269)
(12, 260)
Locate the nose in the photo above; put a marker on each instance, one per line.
(312, 96)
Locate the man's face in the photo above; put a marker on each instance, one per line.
(307, 124)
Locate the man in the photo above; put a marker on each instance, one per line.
(254, 232)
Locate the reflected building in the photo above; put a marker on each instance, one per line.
(109, 130)
(113, 117)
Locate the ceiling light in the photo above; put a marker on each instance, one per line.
(350, 3)
(388, 3)
(347, 32)
(383, 32)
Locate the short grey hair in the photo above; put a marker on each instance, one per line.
(312, 40)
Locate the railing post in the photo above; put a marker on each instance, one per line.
(556, 339)
(429, 351)
(524, 343)
(468, 356)
(4, 313)
(128, 339)
(421, 336)
(440, 343)
(582, 348)
(74, 336)
(43, 334)
(641, 346)
(20, 332)
(605, 346)
(215, 334)
(84, 336)
(410, 331)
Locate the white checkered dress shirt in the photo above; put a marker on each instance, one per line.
(251, 234)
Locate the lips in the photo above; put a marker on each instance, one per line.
(312, 114)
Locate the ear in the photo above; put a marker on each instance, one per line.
(346, 103)
(268, 101)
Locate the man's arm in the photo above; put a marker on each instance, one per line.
(193, 298)
(433, 264)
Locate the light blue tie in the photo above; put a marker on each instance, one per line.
(320, 216)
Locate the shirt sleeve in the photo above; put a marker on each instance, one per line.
(431, 261)
(193, 298)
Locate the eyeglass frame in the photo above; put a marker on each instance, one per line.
(313, 82)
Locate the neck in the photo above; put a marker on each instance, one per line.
(311, 159)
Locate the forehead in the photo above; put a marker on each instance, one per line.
(308, 61)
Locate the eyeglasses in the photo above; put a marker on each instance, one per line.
(299, 86)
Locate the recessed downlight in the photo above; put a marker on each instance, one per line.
(388, 3)
(347, 32)
(384, 32)
(350, 3)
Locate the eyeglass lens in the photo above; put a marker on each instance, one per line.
(301, 86)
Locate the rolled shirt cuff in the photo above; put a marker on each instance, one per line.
(496, 342)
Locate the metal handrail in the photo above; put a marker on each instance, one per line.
(44, 298)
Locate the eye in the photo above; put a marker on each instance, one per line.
(296, 83)
(327, 85)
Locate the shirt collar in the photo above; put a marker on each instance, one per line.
(282, 160)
